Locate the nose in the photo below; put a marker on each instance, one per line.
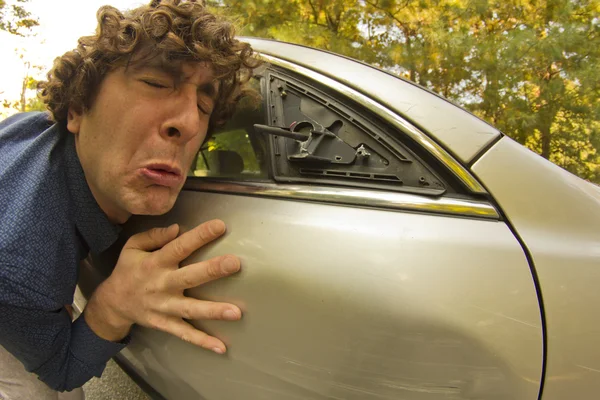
(183, 120)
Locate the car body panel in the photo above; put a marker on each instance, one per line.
(460, 132)
(351, 303)
(557, 215)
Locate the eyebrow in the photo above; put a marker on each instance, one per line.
(208, 88)
(157, 64)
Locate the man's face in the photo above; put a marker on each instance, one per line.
(139, 138)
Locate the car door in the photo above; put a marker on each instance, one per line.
(369, 269)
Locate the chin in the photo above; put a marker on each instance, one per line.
(152, 206)
(158, 209)
(154, 200)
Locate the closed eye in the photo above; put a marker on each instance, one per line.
(204, 109)
(155, 84)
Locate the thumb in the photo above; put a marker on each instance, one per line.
(153, 239)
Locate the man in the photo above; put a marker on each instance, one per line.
(129, 109)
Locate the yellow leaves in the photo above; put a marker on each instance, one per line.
(508, 61)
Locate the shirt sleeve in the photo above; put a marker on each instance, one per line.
(62, 353)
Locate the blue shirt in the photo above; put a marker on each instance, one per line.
(49, 221)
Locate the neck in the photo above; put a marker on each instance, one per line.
(114, 214)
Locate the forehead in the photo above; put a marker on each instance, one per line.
(176, 68)
(198, 70)
(200, 73)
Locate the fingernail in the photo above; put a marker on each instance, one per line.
(229, 265)
(218, 350)
(230, 315)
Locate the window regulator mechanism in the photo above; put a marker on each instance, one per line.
(315, 143)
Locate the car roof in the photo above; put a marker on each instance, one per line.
(460, 132)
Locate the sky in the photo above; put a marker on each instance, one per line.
(62, 22)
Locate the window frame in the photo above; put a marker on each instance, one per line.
(371, 126)
(471, 202)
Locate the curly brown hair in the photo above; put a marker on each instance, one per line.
(173, 31)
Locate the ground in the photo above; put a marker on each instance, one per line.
(113, 385)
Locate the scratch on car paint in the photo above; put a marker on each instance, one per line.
(443, 129)
(287, 393)
(278, 377)
(410, 108)
(394, 385)
(452, 388)
(561, 378)
(588, 368)
(507, 317)
(307, 366)
(424, 388)
(420, 388)
(533, 381)
(518, 320)
(356, 389)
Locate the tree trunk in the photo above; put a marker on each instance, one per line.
(24, 88)
(547, 115)
(411, 61)
(546, 141)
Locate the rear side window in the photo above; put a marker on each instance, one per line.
(318, 139)
(235, 151)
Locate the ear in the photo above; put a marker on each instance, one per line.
(74, 121)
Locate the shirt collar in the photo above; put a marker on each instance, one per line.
(91, 222)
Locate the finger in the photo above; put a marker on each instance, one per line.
(190, 308)
(180, 248)
(153, 239)
(186, 332)
(199, 273)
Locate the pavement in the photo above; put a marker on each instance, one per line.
(114, 384)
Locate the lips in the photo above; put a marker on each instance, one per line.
(163, 175)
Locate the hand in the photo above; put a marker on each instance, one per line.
(146, 286)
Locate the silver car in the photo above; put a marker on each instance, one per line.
(393, 246)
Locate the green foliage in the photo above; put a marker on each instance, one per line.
(529, 67)
(14, 18)
(233, 140)
(27, 102)
(33, 104)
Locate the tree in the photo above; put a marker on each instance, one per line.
(28, 99)
(333, 25)
(529, 67)
(14, 18)
(26, 103)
